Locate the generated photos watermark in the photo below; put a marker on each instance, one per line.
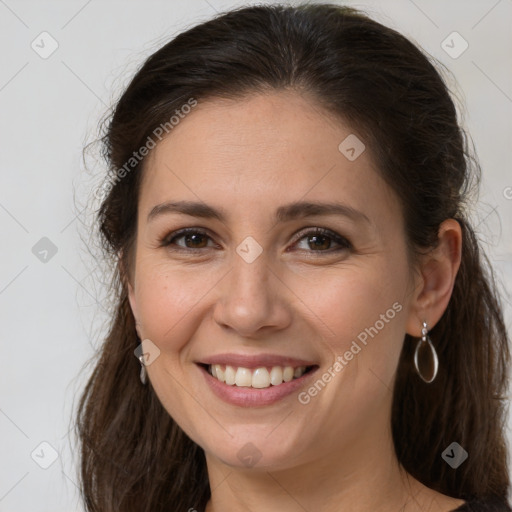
(305, 397)
(137, 156)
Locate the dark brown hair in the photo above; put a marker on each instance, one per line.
(134, 457)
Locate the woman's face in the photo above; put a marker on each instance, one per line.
(260, 292)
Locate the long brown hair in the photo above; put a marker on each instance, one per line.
(134, 457)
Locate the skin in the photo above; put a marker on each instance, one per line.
(249, 157)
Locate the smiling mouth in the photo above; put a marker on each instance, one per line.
(258, 378)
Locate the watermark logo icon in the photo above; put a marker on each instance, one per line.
(148, 350)
(351, 147)
(44, 45)
(249, 455)
(454, 45)
(249, 249)
(44, 455)
(44, 250)
(454, 455)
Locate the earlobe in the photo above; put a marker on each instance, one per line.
(438, 272)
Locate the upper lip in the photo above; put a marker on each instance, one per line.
(255, 361)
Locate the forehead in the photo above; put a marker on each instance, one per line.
(262, 150)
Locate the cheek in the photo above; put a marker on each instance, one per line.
(169, 305)
(164, 300)
(361, 309)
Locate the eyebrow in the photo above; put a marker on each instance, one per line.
(295, 210)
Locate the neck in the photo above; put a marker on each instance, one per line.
(363, 477)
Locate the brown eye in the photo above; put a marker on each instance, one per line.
(192, 239)
(195, 241)
(321, 240)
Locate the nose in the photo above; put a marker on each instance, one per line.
(252, 299)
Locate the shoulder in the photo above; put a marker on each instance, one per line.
(484, 505)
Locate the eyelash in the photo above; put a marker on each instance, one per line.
(168, 240)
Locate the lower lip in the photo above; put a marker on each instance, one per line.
(252, 397)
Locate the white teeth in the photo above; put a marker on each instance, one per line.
(243, 377)
(276, 375)
(297, 372)
(258, 378)
(288, 373)
(230, 375)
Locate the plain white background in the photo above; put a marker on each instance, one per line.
(51, 310)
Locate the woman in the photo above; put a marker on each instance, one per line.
(312, 321)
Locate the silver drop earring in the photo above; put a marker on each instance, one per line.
(425, 357)
(139, 354)
(143, 371)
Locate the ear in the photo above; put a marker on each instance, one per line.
(126, 280)
(131, 299)
(434, 285)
